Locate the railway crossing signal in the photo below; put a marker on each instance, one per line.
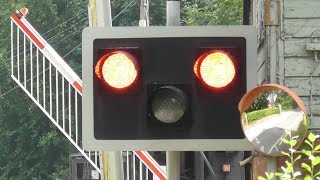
(166, 88)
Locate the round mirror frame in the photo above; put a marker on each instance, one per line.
(250, 97)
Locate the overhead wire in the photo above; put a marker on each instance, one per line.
(76, 15)
(67, 29)
(5, 75)
(70, 35)
(72, 50)
(48, 39)
(66, 37)
(115, 17)
(53, 36)
(8, 91)
(4, 68)
(76, 23)
(6, 71)
(4, 13)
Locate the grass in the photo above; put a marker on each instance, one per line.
(259, 114)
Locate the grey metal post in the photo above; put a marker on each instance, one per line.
(198, 166)
(173, 165)
(144, 13)
(173, 157)
(173, 13)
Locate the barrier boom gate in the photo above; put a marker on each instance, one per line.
(56, 89)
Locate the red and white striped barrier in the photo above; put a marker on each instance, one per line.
(19, 19)
(153, 166)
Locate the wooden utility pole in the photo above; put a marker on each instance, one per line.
(99, 12)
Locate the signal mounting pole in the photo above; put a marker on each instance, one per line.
(144, 13)
(99, 12)
(173, 157)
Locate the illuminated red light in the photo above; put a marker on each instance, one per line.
(118, 69)
(195, 68)
(215, 69)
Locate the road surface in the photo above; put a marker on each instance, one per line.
(269, 141)
(288, 120)
(266, 133)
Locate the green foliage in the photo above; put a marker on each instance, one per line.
(131, 15)
(268, 176)
(283, 99)
(212, 12)
(207, 12)
(31, 147)
(157, 10)
(259, 114)
(261, 102)
(128, 17)
(286, 101)
(309, 167)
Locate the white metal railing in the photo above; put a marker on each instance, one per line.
(57, 90)
(49, 90)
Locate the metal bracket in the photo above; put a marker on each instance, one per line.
(314, 45)
(249, 159)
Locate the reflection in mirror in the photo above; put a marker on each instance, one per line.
(273, 117)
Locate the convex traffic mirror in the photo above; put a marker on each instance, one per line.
(273, 119)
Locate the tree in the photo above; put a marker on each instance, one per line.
(212, 12)
(127, 12)
(32, 148)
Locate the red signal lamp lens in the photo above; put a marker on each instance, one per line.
(195, 68)
(118, 69)
(215, 69)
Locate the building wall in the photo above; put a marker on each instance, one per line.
(296, 68)
(300, 21)
(288, 25)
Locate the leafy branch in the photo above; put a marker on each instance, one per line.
(288, 171)
(314, 161)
